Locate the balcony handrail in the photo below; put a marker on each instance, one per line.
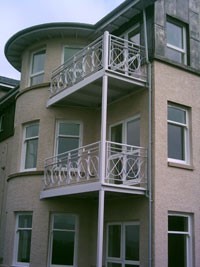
(125, 164)
(124, 58)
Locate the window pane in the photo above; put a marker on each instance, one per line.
(176, 114)
(111, 264)
(24, 246)
(132, 242)
(63, 248)
(69, 128)
(176, 149)
(25, 221)
(174, 35)
(32, 130)
(69, 52)
(64, 221)
(174, 55)
(116, 133)
(67, 143)
(31, 153)
(178, 223)
(177, 250)
(38, 62)
(37, 79)
(114, 241)
(133, 132)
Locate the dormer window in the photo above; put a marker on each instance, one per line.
(37, 67)
(176, 42)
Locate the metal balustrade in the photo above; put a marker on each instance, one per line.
(125, 165)
(109, 52)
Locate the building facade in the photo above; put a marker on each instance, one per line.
(102, 164)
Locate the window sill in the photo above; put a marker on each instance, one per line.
(180, 165)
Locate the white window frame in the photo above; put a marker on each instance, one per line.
(124, 127)
(57, 133)
(183, 51)
(76, 230)
(24, 146)
(121, 260)
(186, 134)
(33, 75)
(69, 46)
(135, 28)
(16, 240)
(188, 234)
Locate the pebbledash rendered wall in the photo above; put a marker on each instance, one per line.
(176, 186)
(24, 187)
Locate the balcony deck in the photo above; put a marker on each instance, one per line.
(120, 59)
(78, 171)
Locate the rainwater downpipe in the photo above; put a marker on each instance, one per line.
(149, 80)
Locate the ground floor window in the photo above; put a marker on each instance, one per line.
(63, 241)
(23, 239)
(179, 241)
(123, 245)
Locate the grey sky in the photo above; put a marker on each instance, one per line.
(20, 14)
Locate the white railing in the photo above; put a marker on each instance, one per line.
(125, 165)
(109, 52)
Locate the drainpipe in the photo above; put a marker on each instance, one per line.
(149, 142)
(102, 163)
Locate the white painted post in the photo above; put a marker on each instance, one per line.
(100, 228)
(102, 164)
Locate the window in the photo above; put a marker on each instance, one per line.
(179, 240)
(29, 158)
(176, 42)
(1, 122)
(70, 52)
(123, 245)
(133, 34)
(68, 136)
(23, 239)
(63, 241)
(37, 67)
(178, 134)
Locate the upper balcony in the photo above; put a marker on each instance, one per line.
(123, 61)
(80, 170)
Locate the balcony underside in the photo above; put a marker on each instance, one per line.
(89, 189)
(88, 92)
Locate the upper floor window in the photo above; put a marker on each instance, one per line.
(133, 34)
(178, 134)
(37, 67)
(23, 233)
(176, 42)
(68, 136)
(63, 240)
(30, 146)
(179, 240)
(70, 51)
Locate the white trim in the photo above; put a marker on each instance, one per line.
(16, 239)
(80, 136)
(185, 126)
(31, 74)
(76, 231)
(183, 50)
(188, 234)
(24, 146)
(121, 260)
(69, 46)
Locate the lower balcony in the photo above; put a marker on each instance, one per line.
(81, 170)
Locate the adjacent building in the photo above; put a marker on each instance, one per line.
(101, 163)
